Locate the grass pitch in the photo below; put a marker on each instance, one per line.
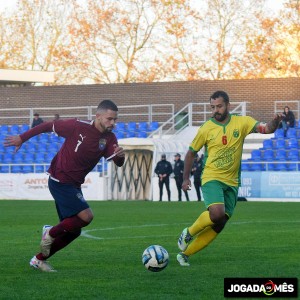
(261, 240)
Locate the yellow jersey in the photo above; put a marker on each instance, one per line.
(223, 148)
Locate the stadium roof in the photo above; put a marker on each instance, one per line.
(25, 77)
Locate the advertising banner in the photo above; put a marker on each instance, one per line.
(35, 187)
(270, 185)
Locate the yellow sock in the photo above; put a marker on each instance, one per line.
(202, 222)
(203, 239)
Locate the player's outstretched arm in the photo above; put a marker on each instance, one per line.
(269, 127)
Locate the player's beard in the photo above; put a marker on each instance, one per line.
(109, 129)
(221, 117)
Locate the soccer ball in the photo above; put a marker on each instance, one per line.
(155, 258)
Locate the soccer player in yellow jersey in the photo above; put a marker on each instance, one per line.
(222, 137)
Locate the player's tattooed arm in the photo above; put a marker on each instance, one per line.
(269, 127)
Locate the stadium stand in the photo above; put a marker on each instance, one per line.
(36, 154)
(278, 153)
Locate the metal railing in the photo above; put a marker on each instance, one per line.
(102, 163)
(269, 165)
(147, 113)
(193, 114)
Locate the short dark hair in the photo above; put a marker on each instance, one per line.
(107, 104)
(219, 94)
(36, 115)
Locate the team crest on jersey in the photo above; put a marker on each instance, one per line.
(102, 144)
(236, 133)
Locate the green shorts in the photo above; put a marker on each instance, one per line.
(217, 192)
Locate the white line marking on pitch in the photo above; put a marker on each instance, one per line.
(85, 233)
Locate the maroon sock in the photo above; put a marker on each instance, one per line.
(40, 256)
(71, 224)
(64, 240)
(60, 242)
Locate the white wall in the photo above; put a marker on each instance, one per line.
(35, 187)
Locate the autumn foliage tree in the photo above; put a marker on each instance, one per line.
(33, 38)
(275, 50)
(107, 41)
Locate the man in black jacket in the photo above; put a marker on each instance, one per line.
(164, 169)
(196, 171)
(36, 120)
(178, 172)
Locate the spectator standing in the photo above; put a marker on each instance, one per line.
(178, 172)
(36, 120)
(288, 120)
(164, 169)
(196, 171)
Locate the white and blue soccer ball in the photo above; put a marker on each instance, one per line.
(155, 258)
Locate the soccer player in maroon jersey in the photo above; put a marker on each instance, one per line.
(85, 143)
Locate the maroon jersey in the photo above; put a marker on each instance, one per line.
(83, 147)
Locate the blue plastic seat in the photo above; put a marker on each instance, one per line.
(280, 154)
(257, 167)
(267, 144)
(18, 157)
(2, 148)
(16, 169)
(4, 129)
(153, 126)
(14, 129)
(279, 143)
(24, 127)
(48, 157)
(292, 143)
(270, 166)
(245, 166)
(291, 133)
(4, 169)
(53, 138)
(131, 126)
(143, 126)
(120, 126)
(28, 158)
(292, 166)
(255, 155)
(293, 154)
(279, 133)
(28, 169)
(280, 167)
(44, 138)
(141, 134)
(39, 169)
(52, 148)
(39, 157)
(130, 134)
(8, 158)
(41, 148)
(120, 135)
(268, 154)
(34, 139)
